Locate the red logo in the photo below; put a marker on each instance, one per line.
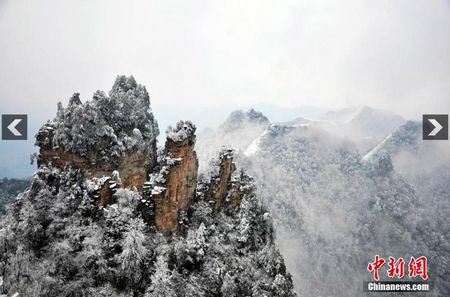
(416, 267)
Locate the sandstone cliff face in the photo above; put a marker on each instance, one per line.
(133, 167)
(222, 185)
(170, 192)
(176, 182)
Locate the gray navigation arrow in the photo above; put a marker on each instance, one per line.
(12, 127)
(435, 127)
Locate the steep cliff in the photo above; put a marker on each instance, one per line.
(174, 188)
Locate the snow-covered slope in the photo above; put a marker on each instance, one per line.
(405, 138)
(331, 211)
(425, 165)
(334, 209)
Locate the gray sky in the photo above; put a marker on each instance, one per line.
(200, 55)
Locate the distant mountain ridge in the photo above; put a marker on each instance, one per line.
(364, 125)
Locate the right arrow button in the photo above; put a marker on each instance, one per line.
(437, 127)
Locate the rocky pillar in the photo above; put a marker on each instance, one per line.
(176, 183)
(226, 169)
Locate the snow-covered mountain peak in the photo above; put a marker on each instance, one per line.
(239, 118)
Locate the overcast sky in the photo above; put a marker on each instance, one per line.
(202, 55)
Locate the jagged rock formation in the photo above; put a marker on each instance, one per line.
(225, 187)
(222, 184)
(106, 216)
(169, 192)
(115, 132)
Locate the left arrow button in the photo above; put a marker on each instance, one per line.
(12, 127)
